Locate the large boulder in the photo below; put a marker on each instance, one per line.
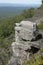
(24, 46)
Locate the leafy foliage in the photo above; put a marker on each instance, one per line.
(7, 25)
(7, 34)
(40, 26)
(36, 60)
(42, 1)
(28, 13)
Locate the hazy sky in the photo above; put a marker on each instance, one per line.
(21, 1)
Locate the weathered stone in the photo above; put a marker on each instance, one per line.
(23, 47)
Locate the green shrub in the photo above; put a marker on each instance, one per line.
(37, 60)
(6, 30)
(40, 26)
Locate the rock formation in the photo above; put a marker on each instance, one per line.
(27, 42)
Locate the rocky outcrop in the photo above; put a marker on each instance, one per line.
(25, 43)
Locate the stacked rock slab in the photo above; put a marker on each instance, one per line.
(25, 31)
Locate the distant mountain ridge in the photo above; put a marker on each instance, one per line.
(9, 10)
(20, 5)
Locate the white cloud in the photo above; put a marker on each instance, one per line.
(21, 1)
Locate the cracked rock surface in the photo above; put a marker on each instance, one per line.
(23, 47)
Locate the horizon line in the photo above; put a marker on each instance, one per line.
(20, 3)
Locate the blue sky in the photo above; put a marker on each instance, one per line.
(21, 1)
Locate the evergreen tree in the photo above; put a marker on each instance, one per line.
(42, 1)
